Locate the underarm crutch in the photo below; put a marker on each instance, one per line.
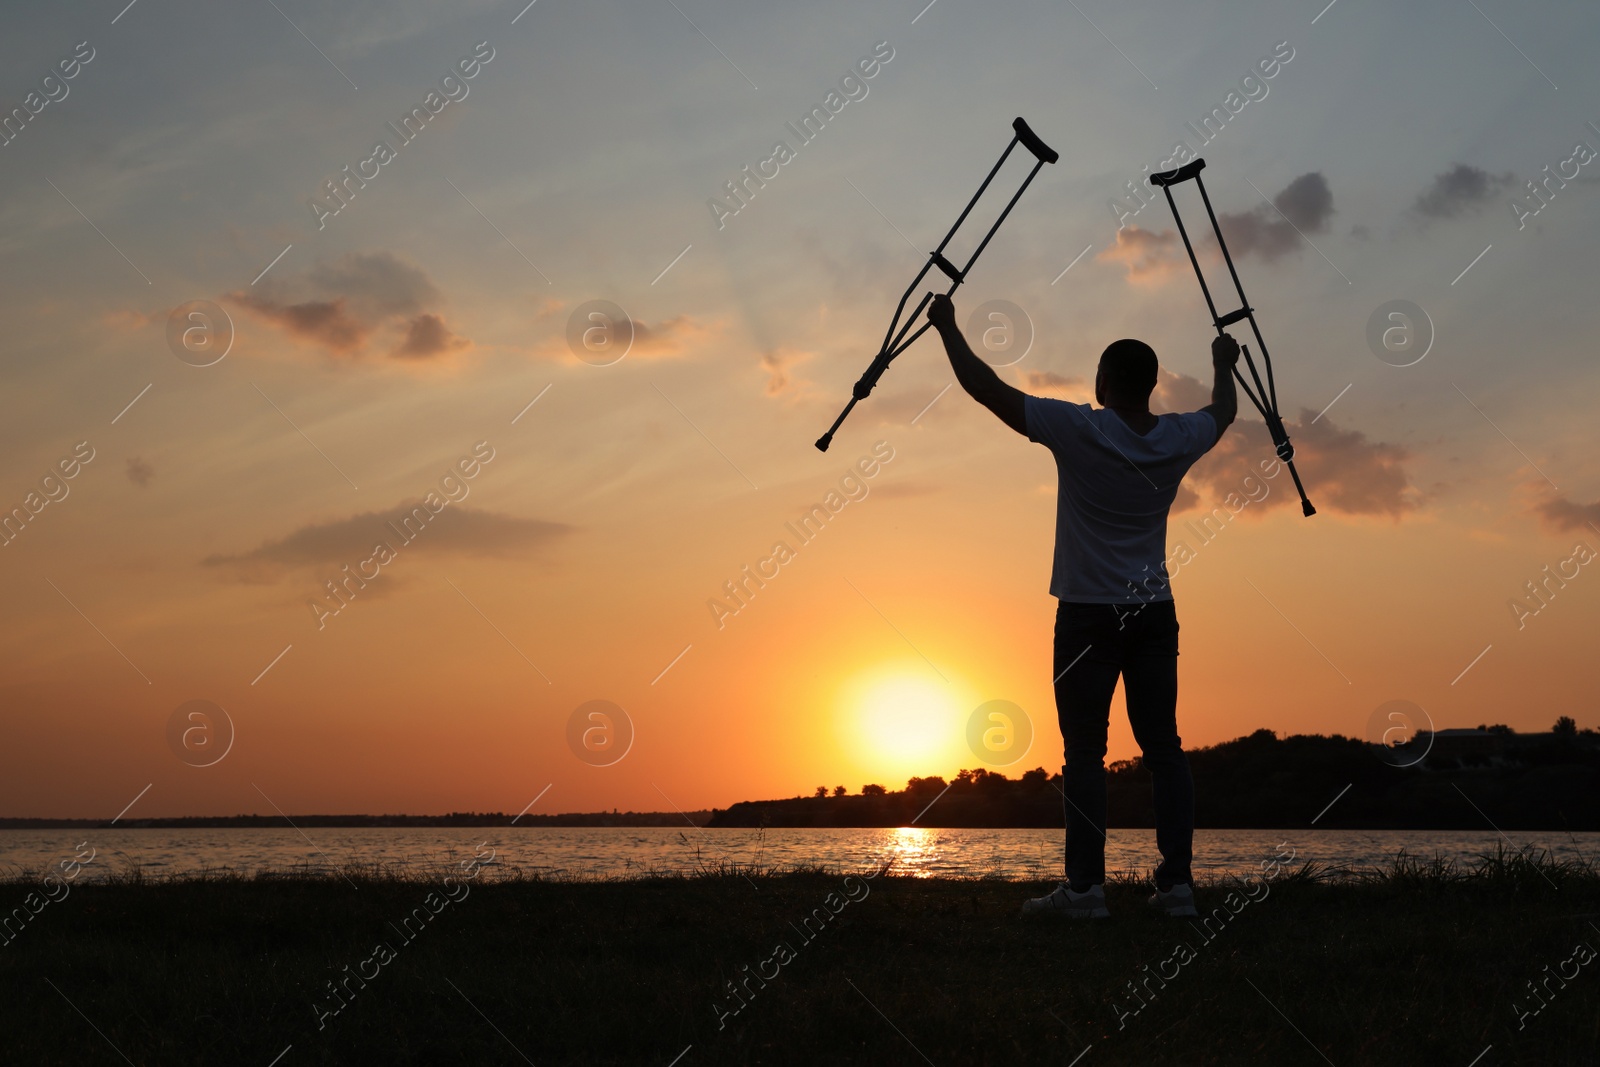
(1265, 397)
(895, 341)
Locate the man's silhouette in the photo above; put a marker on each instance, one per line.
(1119, 467)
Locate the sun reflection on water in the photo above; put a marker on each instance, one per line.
(912, 850)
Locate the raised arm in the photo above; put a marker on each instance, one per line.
(1224, 397)
(977, 377)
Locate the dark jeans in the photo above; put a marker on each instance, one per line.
(1095, 644)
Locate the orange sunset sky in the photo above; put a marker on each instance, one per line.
(578, 162)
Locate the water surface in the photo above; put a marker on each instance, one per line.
(615, 852)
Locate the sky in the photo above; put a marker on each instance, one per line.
(228, 378)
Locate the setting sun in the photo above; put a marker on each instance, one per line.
(903, 721)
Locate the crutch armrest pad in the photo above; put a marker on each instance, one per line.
(1182, 174)
(1031, 142)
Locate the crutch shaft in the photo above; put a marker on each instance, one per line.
(827, 439)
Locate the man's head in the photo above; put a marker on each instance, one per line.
(1127, 374)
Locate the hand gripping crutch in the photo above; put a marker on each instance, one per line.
(895, 342)
(1265, 397)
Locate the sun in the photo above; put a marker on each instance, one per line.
(904, 720)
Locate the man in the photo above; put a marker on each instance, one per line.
(1119, 467)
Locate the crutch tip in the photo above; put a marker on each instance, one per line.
(1305, 506)
(827, 439)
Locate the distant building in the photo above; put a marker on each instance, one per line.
(1483, 746)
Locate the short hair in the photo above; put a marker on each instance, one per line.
(1130, 366)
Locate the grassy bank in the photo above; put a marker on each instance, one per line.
(1417, 964)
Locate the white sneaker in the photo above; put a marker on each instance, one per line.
(1177, 902)
(1063, 902)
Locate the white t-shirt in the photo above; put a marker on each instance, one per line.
(1114, 493)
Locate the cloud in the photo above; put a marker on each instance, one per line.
(1558, 514)
(1179, 392)
(779, 363)
(1343, 470)
(548, 307)
(1064, 387)
(129, 320)
(1306, 201)
(330, 545)
(1459, 191)
(140, 472)
(379, 283)
(1304, 206)
(427, 336)
(905, 490)
(1349, 472)
(1148, 256)
(1047, 380)
(667, 339)
(322, 321)
(357, 302)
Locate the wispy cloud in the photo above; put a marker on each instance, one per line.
(1302, 207)
(357, 304)
(331, 544)
(1147, 256)
(1462, 190)
(1558, 513)
(672, 338)
(140, 472)
(1344, 470)
(1062, 386)
(779, 363)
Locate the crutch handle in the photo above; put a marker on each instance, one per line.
(1031, 142)
(1182, 174)
(951, 271)
(1234, 316)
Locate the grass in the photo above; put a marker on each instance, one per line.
(1420, 962)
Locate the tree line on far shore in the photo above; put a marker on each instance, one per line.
(1545, 781)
